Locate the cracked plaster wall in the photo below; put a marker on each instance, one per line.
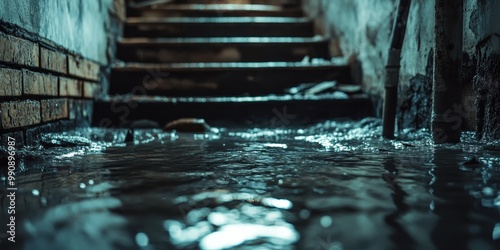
(362, 29)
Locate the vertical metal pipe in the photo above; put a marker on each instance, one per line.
(446, 122)
(392, 70)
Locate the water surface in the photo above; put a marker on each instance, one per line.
(335, 185)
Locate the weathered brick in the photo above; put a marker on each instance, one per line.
(54, 109)
(83, 68)
(10, 82)
(20, 113)
(39, 84)
(70, 87)
(19, 51)
(54, 61)
(91, 90)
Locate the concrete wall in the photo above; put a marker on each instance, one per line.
(81, 26)
(362, 29)
(482, 65)
(55, 60)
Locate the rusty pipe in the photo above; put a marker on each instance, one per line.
(392, 70)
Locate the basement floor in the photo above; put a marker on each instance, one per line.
(334, 185)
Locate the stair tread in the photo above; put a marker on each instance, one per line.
(139, 41)
(173, 27)
(228, 99)
(230, 65)
(222, 7)
(158, 3)
(238, 49)
(217, 10)
(256, 110)
(224, 72)
(215, 20)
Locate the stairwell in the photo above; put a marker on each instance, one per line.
(256, 63)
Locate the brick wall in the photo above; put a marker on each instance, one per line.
(43, 88)
(55, 60)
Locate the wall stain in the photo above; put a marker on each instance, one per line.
(415, 107)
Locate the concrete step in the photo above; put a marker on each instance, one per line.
(221, 79)
(216, 10)
(238, 49)
(157, 3)
(219, 27)
(274, 111)
(267, 2)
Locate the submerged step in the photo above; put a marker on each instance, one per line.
(219, 79)
(237, 49)
(258, 110)
(216, 10)
(219, 27)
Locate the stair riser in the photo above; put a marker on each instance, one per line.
(221, 82)
(222, 52)
(302, 29)
(214, 13)
(269, 114)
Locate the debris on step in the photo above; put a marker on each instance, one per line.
(321, 87)
(188, 125)
(299, 89)
(340, 91)
(340, 95)
(309, 60)
(348, 88)
(336, 60)
(306, 60)
(316, 89)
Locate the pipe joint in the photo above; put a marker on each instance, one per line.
(391, 77)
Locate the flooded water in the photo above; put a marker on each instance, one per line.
(336, 185)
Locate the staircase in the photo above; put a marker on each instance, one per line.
(245, 63)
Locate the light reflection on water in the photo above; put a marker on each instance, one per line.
(336, 185)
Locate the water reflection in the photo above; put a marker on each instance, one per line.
(224, 228)
(453, 185)
(82, 225)
(400, 236)
(335, 185)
